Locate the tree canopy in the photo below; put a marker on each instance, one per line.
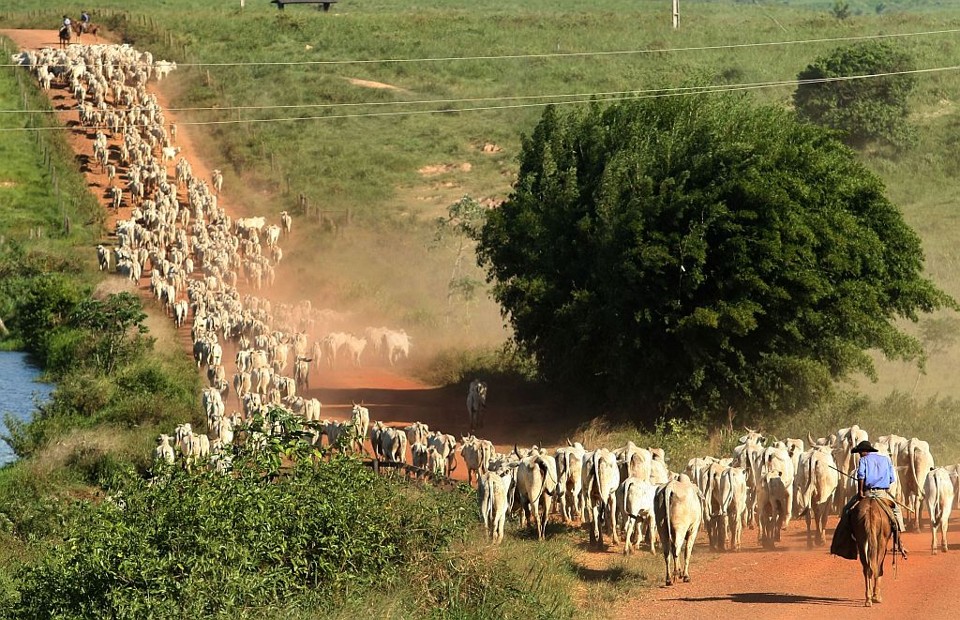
(862, 110)
(694, 253)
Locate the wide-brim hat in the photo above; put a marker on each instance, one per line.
(863, 446)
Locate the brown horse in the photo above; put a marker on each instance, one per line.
(79, 29)
(872, 530)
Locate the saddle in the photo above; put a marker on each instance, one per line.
(843, 543)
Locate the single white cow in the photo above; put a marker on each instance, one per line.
(679, 513)
(635, 500)
(938, 495)
(476, 403)
(495, 498)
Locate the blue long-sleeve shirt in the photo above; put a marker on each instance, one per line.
(876, 471)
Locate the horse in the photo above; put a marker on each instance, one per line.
(64, 35)
(79, 29)
(872, 530)
(476, 402)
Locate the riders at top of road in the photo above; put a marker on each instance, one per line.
(66, 21)
(84, 17)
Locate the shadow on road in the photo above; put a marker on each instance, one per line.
(773, 598)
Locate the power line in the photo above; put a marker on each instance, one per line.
(587, 96)
(549, 55)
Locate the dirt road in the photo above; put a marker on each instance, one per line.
(791, 582)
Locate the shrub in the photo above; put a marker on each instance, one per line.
(862, 110)
(207, 544)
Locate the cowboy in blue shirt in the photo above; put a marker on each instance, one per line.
(875, 474)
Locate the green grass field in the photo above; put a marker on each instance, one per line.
(396, 173)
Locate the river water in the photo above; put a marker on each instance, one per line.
(18, 389)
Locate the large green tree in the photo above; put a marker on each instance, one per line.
(698, 252)
(863, 110)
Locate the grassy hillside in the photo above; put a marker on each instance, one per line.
(395, 173)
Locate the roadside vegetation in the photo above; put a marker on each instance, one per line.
(395, 176)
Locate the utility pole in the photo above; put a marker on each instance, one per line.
(676, 13)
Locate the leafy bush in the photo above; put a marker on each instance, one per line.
(207, 544)
(685, 255)
(862, 110)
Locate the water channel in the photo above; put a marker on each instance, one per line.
(18, 390)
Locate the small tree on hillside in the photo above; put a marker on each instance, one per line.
(865, 109)
(460, 228)
(691, 254)
(114, 326)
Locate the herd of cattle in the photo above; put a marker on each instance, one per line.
(197, 257)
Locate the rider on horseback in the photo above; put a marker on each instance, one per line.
(874, 477)
(66, 23)
(84, 21)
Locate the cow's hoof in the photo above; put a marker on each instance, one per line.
(869, 603)
(669, 583)
(877, 599)
(686, 579)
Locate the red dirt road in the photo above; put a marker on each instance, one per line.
(791, 582)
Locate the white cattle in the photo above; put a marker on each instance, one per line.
(336, 433)
(570, 477)
(164, 451)
(495, 498)
(816, 484)
(418, 455)
(169, 153)
(396, 344)
(417, 433)
(162, 67)
(601, 478)
(435, 463)
(679, 513)
(476, 455)
(103, 258)
(393, 445)
(774, 494)
(360, 418)
(939, 497)
(536, 485)
(634, 462)
(919, 462)
(635, 501)
(476, 403)
(355, 347)
(733, 507)
(446, 447)
(301, 372)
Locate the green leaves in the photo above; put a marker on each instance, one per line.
(862, 110)
(196, 545)
(693, 253)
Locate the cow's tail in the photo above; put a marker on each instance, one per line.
(936, 512)
(596, 484)
(545, 473)
(708, 496)
(727, 499)
(812, 467)
(913, 466)
(667, 492)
